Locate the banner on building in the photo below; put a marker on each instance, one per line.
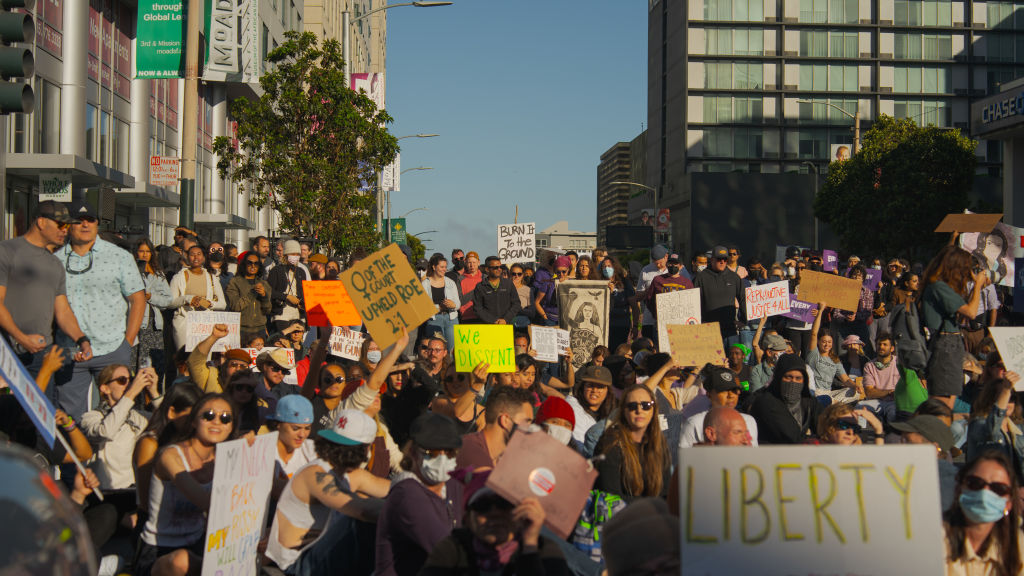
(160, 39)
(373, 84)
(54, 186)
(232, 41)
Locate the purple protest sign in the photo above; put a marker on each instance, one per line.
(871, 279)
(800, 310)
(829, 260)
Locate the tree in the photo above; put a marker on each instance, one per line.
(417, 247)
(889, 197)
(309, 145)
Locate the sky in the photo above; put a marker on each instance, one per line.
(525, 96)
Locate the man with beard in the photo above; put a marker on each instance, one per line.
(496, 299)
(318, 267)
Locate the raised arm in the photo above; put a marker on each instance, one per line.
(316, 362)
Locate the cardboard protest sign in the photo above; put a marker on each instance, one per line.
(696, 344)
(1010, 343)
(328, 301)
(769, 299)
(583, 311)
(490, 343)
(199, 325)
(388, 294)
(346, 343)
(548, 342)
(969, 223)
(291, 378)
(238, 504)
(536, 465)
(872, 278)
(777, 511)
(800, 310)
(997, 250)
(679, 307)
(28, 394)
(829, 260)
(836, 291)
(517, 243)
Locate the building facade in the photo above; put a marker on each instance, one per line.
(613, 199)
(559, 237)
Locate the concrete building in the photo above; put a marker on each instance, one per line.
(773, 87)
(559, 237)
(613, 199)
(368, 37)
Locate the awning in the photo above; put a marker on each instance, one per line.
(151, 197)
(223, 221)
(84, 172)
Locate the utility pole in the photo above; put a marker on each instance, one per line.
(190, 110)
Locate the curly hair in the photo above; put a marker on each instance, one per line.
(342, 458)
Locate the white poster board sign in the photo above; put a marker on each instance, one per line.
(54, 186)
(549, 343)
(679, 307)
(777, 511)
(28, 394)
(769, 299)
(346, 343)
(242, 480)
(1010, 343)
(199, 325)
(517, 243)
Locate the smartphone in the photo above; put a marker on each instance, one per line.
(145, 362)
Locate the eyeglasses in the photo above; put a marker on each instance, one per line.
(210, 415)
(562, 271)
(335, 380)
(122, 380)
(237, 365)
(973, 482)
(277, 368)
(734, 253)
(449, 452)
(67, 264)
(646, 406)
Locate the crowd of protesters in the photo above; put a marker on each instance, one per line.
(382, 462)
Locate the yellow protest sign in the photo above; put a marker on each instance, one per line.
(696, 344)
(490, 343)
(388, 294)
(327, 300)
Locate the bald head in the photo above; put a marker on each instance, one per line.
(725, 427)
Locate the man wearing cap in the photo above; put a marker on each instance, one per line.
(275, 365)
(286, 287)
(421, 508)
(318, 266)
(928, 429)
(496, 300)
(657, 267)
(33, 289)
(467, 282)
(760, 375)
(214, 379)
(107, 294)
(721, 290)
(723, 392)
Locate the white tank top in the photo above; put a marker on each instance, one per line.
(312, 516)
(174, 521)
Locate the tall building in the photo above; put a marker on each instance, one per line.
(368, 36)
(773, 86)
(613, 199)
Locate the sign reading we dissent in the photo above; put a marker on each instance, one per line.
(490, 343)
(836, 291)
(388, 294)
(778, 511)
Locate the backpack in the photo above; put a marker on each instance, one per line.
(598, 510)
(905, 325)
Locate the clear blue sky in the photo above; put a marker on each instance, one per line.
(526, 95)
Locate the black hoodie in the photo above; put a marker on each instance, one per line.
(775, 425)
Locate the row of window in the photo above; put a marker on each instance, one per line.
(727, 109)
(1000, 14)
(840, 44)
(837, 77)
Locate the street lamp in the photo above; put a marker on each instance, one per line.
(653, 191)
(411, 211)
(347, 21)
(817, 174)
(380, 181)
(388, 195)
(854, 117)
(417, 136)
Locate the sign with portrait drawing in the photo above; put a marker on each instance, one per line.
(583, 311)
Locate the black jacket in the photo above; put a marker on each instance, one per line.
(278, 280)
(455, 555)
(492, 303)
(719, 293)
(775, 425)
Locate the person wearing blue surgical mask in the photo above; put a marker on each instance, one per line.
(982, 526)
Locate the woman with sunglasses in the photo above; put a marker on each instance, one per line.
(252, 409)
(445, 295)
(517, 273)
(179, 496)
(249, 294)
(636, 460)
(991, 424)
(150, 350)
(840, 424)
(458, 397)
(983, 534)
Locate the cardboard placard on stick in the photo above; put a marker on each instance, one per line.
(696, 344)
(836, 291)
(328, 301)
(969, 223)
(388, 294)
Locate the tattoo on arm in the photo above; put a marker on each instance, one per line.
(329, 483)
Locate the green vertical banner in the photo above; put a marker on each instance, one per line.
(397, 230)
(160, 39)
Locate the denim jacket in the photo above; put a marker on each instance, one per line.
(987, 432)
(160, 298)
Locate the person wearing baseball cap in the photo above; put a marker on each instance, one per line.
(657, 267)
(721, 290)
(326, 485)
(293, 420)
(592, 400)
(274, 365)
(285, 281)
(421, 508)
(773, 346)
(674, 279)
(723, 391)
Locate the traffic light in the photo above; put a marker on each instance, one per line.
(16, 62)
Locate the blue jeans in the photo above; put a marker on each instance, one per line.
(72, 388)
(332, 553)
(442, 323)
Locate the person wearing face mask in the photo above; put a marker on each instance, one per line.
(785, 411)
(556, 417)
(674, 279)
(420, 509)
(761, 374)
(216, 264)
(457, 264)
(657, 267)
(286, 287)
(505, 410)
(982, 526)
(623, 309)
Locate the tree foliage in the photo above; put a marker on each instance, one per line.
(889, 197)
(310, 147)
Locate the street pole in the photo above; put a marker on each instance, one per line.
(186, 210)
(814, 167)
(856, 130)
(345, 41)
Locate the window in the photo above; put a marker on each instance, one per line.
(47, 118)
(924, 113)
(842, 44)
(120, 145)
(923, 80)
(718, 142)
(923, 46)
(924, 12)
(734, 10)
(735, 42)
(1005, 15)
(19, 132)
(739, 75)
(812, 144)
(832, 11)
(725, 109)
(90, 132)
(818, 110)
(104, 144)
(1004, 47)
(734, 142)
(813, 76)
(814, 43)
(819, 43)
(843, 78)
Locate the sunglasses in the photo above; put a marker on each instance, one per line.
(277, 368)
(973, 482)
(517, 273)
(562, 271)
(210, 416)
(646, 406)
(847, 425)
(449, 452)
(122, 380)
(734, 253)
(335, 380)
(60, 225)
(212, 250)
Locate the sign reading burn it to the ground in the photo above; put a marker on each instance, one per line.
(164, 170)
(517, 243)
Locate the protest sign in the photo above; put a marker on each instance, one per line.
(777, 511)
(583, 311)
(490, 343)
(346, 343)
(829, 260)
(548, 342)
(388, 294)
(836, 291)
(199, 325)
(517, 243)
(238, 503)
(291, 378)
(327, 300)
(969, 223)
(1010, 343)
(679, 307)
(769, 299)
(800, 310)
(28, 394)
(997, 250)
(872, 278)
(696, 344)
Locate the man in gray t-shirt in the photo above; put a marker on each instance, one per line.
(32, 288)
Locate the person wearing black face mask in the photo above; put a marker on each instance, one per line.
(458, 262)
(786, 411)
(217, 265)
(675, 278)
